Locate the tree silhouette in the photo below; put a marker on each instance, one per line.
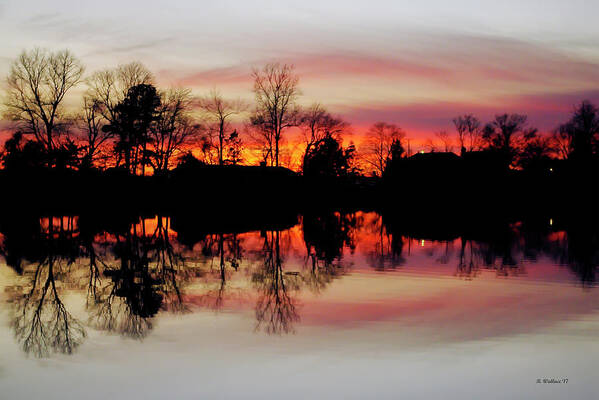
(317, 125)
(276, 91)
(561, 142)
(134, 118)
(108, 88)
(23, 155)
(501, 132)
(445, 139)
(173, 130)
(507, 134)
(326, 158)
(536, 153)
(219, 112)
(581, 132)
(234, 148)
(37, 84)
(94, 136)
(469, 132)
(383, 142)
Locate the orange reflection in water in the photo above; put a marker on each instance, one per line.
(150, 226)
(58, 226)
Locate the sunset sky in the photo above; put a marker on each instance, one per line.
(416, 64)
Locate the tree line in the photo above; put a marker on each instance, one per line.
(124, 121)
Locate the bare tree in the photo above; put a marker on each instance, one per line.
(110, 87)
(276, 91)
(37, 84)
(381, 139)
(318, 124)
(42, 324)
(505, 131)
(94, 137)
(430, 145)
(445, 140)
(469, 132)
(562, 142)
(261, 139)
(276, 306)
(174, 128)
(219, 112)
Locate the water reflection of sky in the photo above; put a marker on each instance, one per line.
(293, 313)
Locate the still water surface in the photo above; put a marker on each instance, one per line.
(336, 306)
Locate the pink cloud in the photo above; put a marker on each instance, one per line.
(545, 111)
(237, 75)
(455, 61)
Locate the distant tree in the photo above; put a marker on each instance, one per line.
(327, 158)
(134, 117)
(397, 150)
(188, 162)
(206, 147)
(173, 130)
(318, 124)
(562, 142)
(219, 112)
(508, 133)
(37, 84)
(430, 145)
(233, 148)
(20, 154)
(276, 91)
(469, 132)
(536, 151)
(445, 140)
(382, 143)
(581, 132)
(66, 155)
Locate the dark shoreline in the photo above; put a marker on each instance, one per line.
(229, 199)
(238, 190)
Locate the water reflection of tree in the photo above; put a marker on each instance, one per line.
(325, 237)
(576, 247)
(41, 321)
(388, 247)
(132, 273)
(144, 279)
(583, 255)
(226, 251)
(276, 307)
(468, 264)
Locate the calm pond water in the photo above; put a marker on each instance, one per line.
(336, 306)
